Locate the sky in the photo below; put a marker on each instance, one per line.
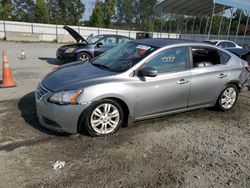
(89, 5)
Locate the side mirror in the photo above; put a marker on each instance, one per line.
(149, 71)
(99, 44)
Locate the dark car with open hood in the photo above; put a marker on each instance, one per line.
(90, 47)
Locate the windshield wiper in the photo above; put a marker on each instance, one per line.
(101, 66)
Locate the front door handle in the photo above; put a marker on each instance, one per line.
(182, 81)
(222, 75)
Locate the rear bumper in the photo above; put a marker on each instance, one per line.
(246, 85)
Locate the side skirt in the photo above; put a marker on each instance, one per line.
(170, 112)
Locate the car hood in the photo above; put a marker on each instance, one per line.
(75, 76)
(75, 34)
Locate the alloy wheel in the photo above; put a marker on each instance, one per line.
(228, 98)
(105, 118)
(83, 57)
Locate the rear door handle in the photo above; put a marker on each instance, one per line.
(222, 75)
(182, 81)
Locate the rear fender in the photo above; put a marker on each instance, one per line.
(245, 76)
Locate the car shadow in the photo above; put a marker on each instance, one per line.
(52, 61)
(27, 106)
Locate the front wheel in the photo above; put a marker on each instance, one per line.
(227, 98)
(82, 56)
(104, 117)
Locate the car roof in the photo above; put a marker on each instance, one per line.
(162, 42)
(112, 35)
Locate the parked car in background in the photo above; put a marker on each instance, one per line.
(89, 48)
(139, 80)
(223, 43)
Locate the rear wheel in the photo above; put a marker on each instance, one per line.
(104, 117)
(82, 56)
(227, 98)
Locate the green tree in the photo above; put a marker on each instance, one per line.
(97, 17)
(41, 12)
(126, 11)
(6, 7)
(109, 11)
(49, 11)
(70, 11)
(24, 10)
(76, 10)
(145, 12)
(236, 19)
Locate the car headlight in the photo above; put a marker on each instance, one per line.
(69, 50)
(65, 97)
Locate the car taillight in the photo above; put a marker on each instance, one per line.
(248, 68)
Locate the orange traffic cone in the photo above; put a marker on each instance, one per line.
(7, 80)
(23, 56)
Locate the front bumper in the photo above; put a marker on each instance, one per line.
(61, 55)
(59, 118)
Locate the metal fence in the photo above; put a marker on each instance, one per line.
(49, 32)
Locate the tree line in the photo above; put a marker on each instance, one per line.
(43, 11)
(126, 14)
(120, 14)
(106, 13)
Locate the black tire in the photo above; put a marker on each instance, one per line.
(219, 105)
(87, 120)
(81, 55)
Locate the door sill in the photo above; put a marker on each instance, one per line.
(171, 112)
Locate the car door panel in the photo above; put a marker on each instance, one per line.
(206, 84)
(162, 93)
(169, 90)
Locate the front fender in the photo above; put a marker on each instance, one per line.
(109, 90)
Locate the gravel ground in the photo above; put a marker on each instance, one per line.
(202, 148)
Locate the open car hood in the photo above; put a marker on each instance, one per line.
(75, 34)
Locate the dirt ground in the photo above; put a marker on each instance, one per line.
(202, 149)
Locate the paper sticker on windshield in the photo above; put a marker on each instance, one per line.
(143, 47)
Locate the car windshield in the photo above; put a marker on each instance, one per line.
(93, 39)
(123, 57)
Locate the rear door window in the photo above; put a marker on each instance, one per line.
(205, 57)
(109, 41)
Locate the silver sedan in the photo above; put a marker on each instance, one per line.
(139, 80)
